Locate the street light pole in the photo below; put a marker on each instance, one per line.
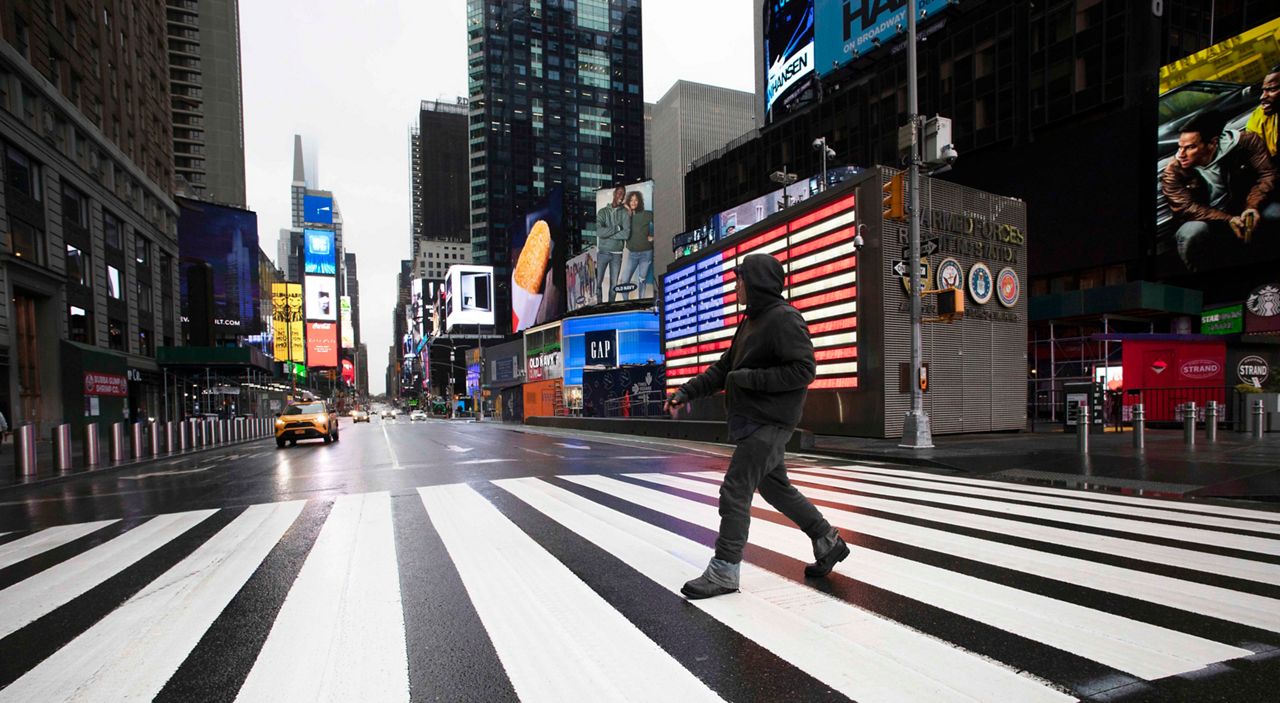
(916, 433)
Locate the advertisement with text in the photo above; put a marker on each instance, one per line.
(624, 243)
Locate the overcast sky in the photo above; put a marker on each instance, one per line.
(348, 76)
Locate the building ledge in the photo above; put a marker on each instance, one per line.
(1137, 298)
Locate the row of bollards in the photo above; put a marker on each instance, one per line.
(146, 439)
(1187, 412)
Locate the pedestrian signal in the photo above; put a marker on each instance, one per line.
(950, 303)
(894, 198)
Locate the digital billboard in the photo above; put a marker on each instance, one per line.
(468, 292)
(319, 255)
(322, 298)
(322, 345)
(317, 209)
(415, 337)
(700, 310)
(580, 280)
(624, 242)
(788, 54)
(226, 239)
(345, 324)
(286, 308)
(349, 372)
(847, 29)
(1216, 201)
(539, 245)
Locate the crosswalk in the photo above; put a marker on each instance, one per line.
(567, 588)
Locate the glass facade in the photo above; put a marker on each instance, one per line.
(556, 100)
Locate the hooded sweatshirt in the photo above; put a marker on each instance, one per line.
(766, 371)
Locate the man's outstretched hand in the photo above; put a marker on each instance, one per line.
(675, 401)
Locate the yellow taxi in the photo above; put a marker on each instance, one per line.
(306, 420)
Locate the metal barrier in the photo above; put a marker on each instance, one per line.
(1189, 423)
(91, 451)
(61, 436)
(1211, 422)
(1139, 427)
(24, 447)
(1082, 429)
(1259, 419)
(1165, 405)
(153, 429)
(136, 439)
(117, 442)
(168, 437)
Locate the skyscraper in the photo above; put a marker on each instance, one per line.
(440, 184)
(556, 99)
(206, 100)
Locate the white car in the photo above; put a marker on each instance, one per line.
(417, 415)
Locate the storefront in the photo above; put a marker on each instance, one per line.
(856, 303)
(544, 372)
(611, 342)
(504, 373)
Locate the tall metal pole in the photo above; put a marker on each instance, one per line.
(915, 429)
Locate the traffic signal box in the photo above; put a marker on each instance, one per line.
(950, 304)
(895, 198)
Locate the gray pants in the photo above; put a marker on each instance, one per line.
(607, 265)
(758, 464)
(1204, 245)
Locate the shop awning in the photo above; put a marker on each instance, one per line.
(213, 357)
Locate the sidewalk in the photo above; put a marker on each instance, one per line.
(1236, 466)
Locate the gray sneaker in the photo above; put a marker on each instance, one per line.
(719, 578)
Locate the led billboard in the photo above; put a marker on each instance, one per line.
(319, 255)
(1216, 202)
(322, 298)
(322, 345)
(286, 309)
(847, 29)
(226, 239)
(539, 244)
(317, 209)
(415, 337)
(468, 294)
(624, 242)
(788, 54)
(345, 324)
(700, 311)
(581, 282)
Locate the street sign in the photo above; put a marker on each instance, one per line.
(903, 268)
(927, 247)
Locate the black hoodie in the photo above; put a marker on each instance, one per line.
(767, 369)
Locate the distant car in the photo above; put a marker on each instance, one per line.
(306, 420)
(359, 416)
(417, 415)
(388, 414)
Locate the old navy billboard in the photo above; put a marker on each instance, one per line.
(847, 29)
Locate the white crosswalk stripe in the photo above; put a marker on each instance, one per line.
(956, 589)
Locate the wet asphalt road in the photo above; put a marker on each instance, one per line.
(451, 560)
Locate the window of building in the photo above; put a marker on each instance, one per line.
(77, 266)
(22, 173)
(115, 334)
(112, 231)
(27, 242)
(144, 343)
(75, 208)
(115, 285)
(80, 325)
(144, 298)
(142, 251)
(22, 38)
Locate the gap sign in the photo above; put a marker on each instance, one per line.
(602, 348)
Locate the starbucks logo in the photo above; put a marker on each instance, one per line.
(1264, 301)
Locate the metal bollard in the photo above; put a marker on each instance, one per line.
(1211, 422)
(181, 435)
(1259, 418)
(92, 450)
(117, 442)
(62, 447)
(153, 432)
(136, 431)
(1139, 426)
(1189, 423)
(24, 447)
(168, 437)
(1082, 428)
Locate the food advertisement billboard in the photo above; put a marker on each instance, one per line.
(624, 243)
(1216, 199)
(322, 345)
(539, 248)
(322, 298)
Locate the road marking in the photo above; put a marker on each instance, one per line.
(535, 451)
(44, 540)
(859, 654)
(456, 448)
(139, 477)
(573, 446)
(484, 461)
(643, 456)
(131, 653)
(556, 638)
(340, 634)
(395, 460)
(44, 592)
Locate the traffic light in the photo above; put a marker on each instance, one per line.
(894, 198)
(950, 303)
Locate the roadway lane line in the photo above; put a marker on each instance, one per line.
(557, 638)
(1147, 651)
(132, 652)
(460, 450)
(540, 453)
(986, 490)
(1203, 599)
(860, 654)
(482, 461)
(395, 460)
(48, 590)
(178, 472)
(573, 446)
(340, 634)
(44, 540)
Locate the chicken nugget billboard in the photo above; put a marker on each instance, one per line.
(539, 245)
(1216, 202)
